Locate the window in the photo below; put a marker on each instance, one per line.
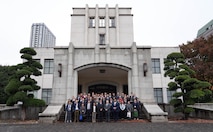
(101, 22)
(47, 95)
(158, 94)
(111, 22)
(48, 66)
(169, 95)
(156, 65)
(102, 39)
(92, 22)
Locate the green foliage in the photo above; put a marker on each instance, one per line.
(188, 110)
(6, 72)
(189, 89)
(177, 94)
(21, 82)
(20, 96)
(12, 86)
(26, 56)
(10, 101)
(173, 86)
(26, 88)
(34, 102)
(29, 51)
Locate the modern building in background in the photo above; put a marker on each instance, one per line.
(41, 36)
(206, 30)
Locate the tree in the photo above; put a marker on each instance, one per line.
(187, 89)
(21, 83)
(199, 56)
(5, 74)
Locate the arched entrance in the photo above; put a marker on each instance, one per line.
(102, 88)
(102, 77)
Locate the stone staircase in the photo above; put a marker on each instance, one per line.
(154, 113)
(51, 114)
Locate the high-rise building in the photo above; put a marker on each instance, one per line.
(41, 36)
(206, 30)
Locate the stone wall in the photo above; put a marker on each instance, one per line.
(18, 113)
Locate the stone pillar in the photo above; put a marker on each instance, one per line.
(135, 84)
(86, 26)
(108, 56)
(107, 25)
(97, 53)
(129, 82)
(117, 25)
(75, 83)
(70, 87)
(96, 25)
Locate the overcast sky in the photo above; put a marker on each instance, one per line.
(156, 22)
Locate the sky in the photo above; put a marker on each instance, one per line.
(157, 23)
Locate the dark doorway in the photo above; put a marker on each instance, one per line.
(101, 88)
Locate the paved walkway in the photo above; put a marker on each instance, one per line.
(122, 126)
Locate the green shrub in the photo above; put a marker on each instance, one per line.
(34, 102)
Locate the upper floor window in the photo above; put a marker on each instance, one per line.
(92, 22)
(101, 22)
(101, 39)
(48, 66)
(111, 22)
(156, 65)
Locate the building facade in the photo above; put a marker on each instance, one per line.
(41, 36)
(103, 57)
(206, 30)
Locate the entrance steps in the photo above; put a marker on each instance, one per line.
(51, 114)
(154, 113)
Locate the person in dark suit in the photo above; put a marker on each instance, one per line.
(100, 110)
(115, 109)
(69, 111)
(107, 108)
(89, 110)
(76, 109)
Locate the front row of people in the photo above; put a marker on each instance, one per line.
(102, 110)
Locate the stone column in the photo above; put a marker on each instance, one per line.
(117, 25)
(86, 26)
(70, 87)
(135, 84)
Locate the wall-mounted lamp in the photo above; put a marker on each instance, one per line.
(145, 69)
(60, 69)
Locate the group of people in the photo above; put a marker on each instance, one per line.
(102, 107)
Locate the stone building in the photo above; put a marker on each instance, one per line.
(103, 57)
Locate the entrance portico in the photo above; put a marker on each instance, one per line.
(103, 77)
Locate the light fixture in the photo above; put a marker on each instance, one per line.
(60, 69)
(145, 69)
(102, 70)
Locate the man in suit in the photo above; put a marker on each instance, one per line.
(76, 109)
(107, 108)
(89, 110)
(115, 109)
(100, 110)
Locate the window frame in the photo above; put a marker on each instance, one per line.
(48, 69)
(112, 22)
(91, 22)
(102, 39)
(48, 96)
(156, 68)
(102, 22)
(158, 95)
